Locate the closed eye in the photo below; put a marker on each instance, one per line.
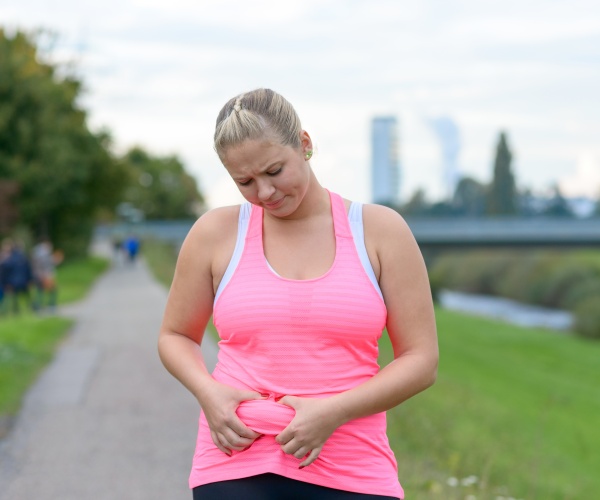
(245, 183)
(276, 172)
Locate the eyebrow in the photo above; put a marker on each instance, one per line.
(262, 171)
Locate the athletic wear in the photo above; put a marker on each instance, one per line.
(308, 338)
(274, 487)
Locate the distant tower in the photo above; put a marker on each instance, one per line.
(385, 170)
(448, 134)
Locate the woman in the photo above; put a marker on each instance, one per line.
(301, 283)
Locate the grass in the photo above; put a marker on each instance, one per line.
(513, 414)
(161, 258)
(76, 277)
(28, 342)
(517, 408)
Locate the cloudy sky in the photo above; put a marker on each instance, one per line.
(158, 71)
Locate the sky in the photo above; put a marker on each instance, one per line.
(157, 73)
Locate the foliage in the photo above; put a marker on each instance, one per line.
(558, 206)
(502, 193)
(512, 414)
(563, 280)
(159, 186)
(63, 171)
(416, 205)
(469, 197)
(587, 314)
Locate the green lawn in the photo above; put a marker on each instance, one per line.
(76, 277)
(28, 341)
(517, 408)
(515, 413)
(161, 258)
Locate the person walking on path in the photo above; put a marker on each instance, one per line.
(43, 262)
(104, 421)
(16, 276)
(301, 284)
(132, 247)
(5, 248)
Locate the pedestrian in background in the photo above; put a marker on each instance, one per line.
(301, 283)
(132, 247)
(16, 276)
(5, 248)
(44, 261)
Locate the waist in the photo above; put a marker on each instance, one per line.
(265, 416)
(268, 417)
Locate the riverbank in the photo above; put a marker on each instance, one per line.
(567, 280)
(507, 310)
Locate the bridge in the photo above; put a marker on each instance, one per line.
(432, 233)
(462, 232)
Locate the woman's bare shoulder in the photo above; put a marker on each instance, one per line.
(211, 231)
(215, 223)
(382, 219)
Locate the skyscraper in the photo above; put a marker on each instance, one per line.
(385, 171)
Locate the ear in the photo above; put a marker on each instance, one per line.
(305, 142)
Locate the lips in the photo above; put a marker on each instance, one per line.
(275, 204)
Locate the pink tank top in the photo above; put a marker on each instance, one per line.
(308, 338)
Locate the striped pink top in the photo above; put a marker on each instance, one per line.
(307, 338)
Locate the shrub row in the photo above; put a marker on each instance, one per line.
(568, 280)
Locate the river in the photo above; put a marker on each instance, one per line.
(506, 310)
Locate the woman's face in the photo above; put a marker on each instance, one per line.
(270, 175)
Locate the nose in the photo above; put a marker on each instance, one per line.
(265, 190)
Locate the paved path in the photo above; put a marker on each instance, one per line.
(105, 420)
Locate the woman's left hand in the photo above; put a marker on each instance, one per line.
(315, 421)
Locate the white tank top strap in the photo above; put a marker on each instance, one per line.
(355, 217)
(243, 222)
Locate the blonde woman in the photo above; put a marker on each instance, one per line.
(301, 283)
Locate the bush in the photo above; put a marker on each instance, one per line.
(564, 280)
(587, 317)
(582, 290)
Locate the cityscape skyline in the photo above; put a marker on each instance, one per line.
(157, 74)
(385, 164)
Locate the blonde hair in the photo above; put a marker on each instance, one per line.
(259, 114)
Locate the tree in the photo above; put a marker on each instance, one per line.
(416, 205)
(469, 197)
(159, 186)
(502, 193)
(63, 171)
(558, 206)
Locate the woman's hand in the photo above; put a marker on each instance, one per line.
(228, 432)
(314, 422)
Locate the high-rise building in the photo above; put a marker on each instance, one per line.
(385, 170)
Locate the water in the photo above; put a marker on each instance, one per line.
(506, 310)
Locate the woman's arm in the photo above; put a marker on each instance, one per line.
(410, 321)
(399, 265)
(187, 313)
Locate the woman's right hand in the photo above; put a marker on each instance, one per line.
(228, 432)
